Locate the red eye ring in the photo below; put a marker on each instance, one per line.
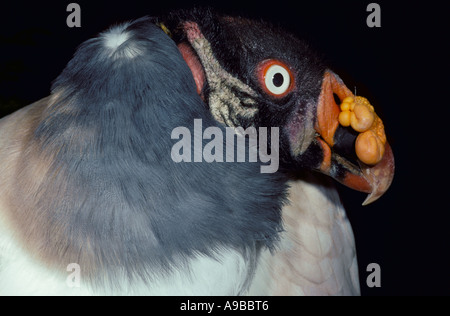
(275, 78)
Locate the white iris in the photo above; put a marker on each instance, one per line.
(277, 79)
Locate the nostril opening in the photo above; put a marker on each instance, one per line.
(336, 99)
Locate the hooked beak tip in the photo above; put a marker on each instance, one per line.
(380, 176)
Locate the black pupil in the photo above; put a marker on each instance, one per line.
(278, 80)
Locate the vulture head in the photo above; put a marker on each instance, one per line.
(251, 73)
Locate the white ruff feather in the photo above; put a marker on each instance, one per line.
(317, 254)
(22, 275)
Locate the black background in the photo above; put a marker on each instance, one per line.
(401, 68)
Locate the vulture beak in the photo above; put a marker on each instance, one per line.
(352, 139)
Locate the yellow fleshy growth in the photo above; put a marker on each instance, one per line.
(369, 148)
(345, 107)
(345, 118)
(358, 113)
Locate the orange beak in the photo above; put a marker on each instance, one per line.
(352, 140)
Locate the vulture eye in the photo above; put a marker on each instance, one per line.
(275, 77)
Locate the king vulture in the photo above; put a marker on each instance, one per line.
(88, 180)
